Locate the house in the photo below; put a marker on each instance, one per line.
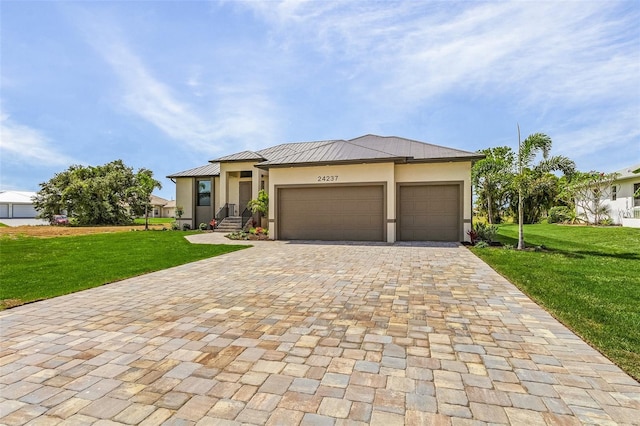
(169, 209)
(17, 204)
(371, 188)
(624, 201)
(157, 206)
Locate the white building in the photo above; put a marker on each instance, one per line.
(17, 204)
(624, 201)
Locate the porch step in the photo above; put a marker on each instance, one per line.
(230, 224)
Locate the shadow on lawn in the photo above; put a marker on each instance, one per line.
(577, 254)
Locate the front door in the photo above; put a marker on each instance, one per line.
(245, 196)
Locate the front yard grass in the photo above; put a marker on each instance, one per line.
(587, 277)
(40, 268)
(155, 220)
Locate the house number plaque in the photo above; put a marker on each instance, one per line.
(328, 178)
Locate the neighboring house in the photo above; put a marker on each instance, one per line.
(169, 209)
(624, 201)
(17, 204)
(371, 188)
(157, 206)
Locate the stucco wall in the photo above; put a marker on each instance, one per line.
(184, 198)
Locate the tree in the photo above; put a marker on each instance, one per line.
(93, 195)
(526, 171)
(140, 194)
(588, 191)
(491, 178)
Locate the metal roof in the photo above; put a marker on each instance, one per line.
(211, 169)
(364, 149)
(240, 156)
(367, 148)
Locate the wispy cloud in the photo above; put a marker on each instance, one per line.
(539, 59)
(23, 144)
(233, 116)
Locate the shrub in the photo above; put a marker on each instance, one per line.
(607, 222)
(559, 214)
(203, 226)
(186, 227)
(485, 232)
(482, 244)
(175, 226)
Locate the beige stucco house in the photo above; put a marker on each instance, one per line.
(371, 188)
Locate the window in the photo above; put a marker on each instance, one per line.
(614, 192)
(246, 174)
(204, 193)
(636, 195)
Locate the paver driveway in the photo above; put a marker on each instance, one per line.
(306, 334)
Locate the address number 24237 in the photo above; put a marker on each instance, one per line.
(328, 178)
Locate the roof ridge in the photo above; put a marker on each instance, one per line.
(413, 140)
(350, 141)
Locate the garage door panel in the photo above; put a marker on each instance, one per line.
(429, 213)
(350, 213)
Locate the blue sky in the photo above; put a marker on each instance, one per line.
(170, 85)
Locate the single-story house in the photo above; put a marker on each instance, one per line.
(169, 209)
(371, 188)
(623, 202)
(17, 204)
(157, 206)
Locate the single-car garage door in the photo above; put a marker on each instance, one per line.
(331, 213)
(4, 210)
(429, 213)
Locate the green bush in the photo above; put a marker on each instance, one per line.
(559, 214)
(485, 232)
(203, 226)
(175, 226)
(186, 227)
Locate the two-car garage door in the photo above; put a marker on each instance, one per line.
(429, 212)
(331, 213)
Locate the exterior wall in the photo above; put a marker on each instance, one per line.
(184, 199)
(621, 210)
(622, 206)
(229, 179)
(344, 174)
(442, 172)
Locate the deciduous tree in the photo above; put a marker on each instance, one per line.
(94, 195)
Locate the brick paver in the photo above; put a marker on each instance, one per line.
(287, 333)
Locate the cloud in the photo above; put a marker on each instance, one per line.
(234, 116)
(23, 144)
(541, 60)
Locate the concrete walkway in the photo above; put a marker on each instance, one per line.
(309, 334)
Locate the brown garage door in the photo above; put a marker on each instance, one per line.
(331, 213)
(429, 213)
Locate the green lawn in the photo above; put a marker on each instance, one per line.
(154, 220)
(40, 268)
(587, 277)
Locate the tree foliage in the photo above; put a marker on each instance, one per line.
(491, 178)
(529, 176)
(96, 195)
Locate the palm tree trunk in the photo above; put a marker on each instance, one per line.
(489, 210)
(520, 221)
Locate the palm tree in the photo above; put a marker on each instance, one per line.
(537, 143)
(491, 177)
